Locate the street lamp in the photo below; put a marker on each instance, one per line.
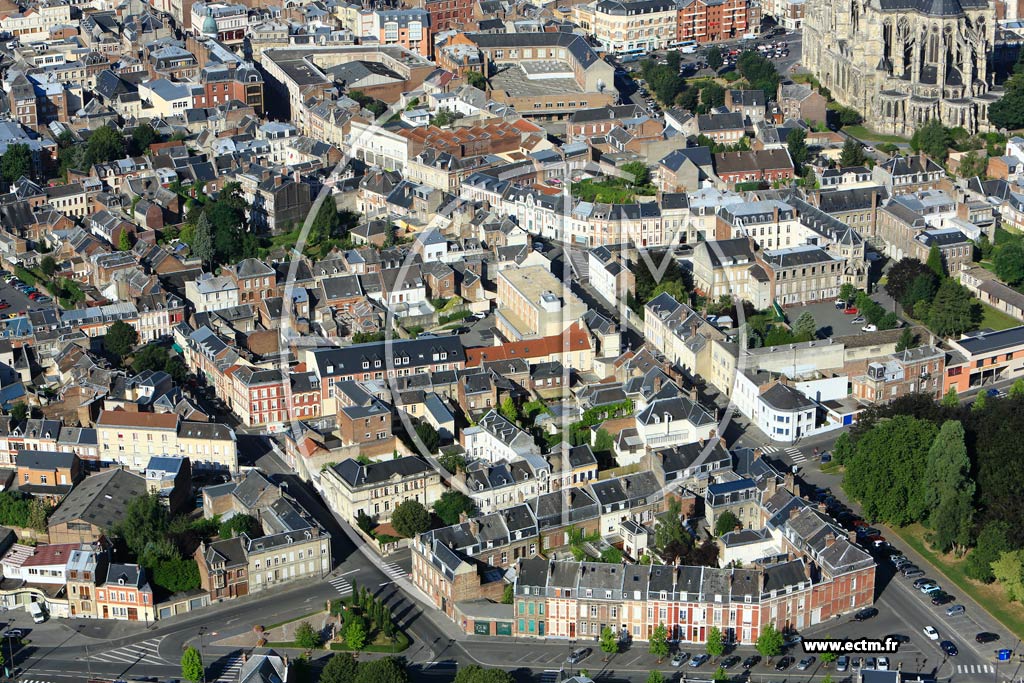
(88, 662)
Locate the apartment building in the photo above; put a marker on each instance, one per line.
(803, 274)
(534, 303)
(709, 21)
(132, 439)
(353, 489)
(917, 370)
(628, 25)
(125, 594)
(494, 439)
(982, 358)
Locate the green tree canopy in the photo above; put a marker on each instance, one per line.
(934, 262)
(240, 524)
(192, 665)
(609, 641)
(796, 142)
(852, 154)
(120, 339)
(428, 435)
(341, 668)
(307, 637)
(715, 645)
(410, 518)
(638, 173)
(145, 522)
(949, 490)
(176, 574)
(658, 643)
(48, 265)
(1009, 571)
(726, 522)
(933, 139)
(805, 327)
(714, 58)
(104, 144)
(478, 674)
(355, 635)
(143, 136)
(953, 310)
(16, 162)
(899, 278)
(387, 670)
(450, 506)
(769, 641)
(1009, 262)
(991, 544)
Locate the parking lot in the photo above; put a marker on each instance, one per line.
(18, 302)
(832, 321)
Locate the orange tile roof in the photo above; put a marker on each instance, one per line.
(575, 338)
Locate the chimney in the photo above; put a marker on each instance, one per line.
(830, 539)
(851, 536)
(572, 496)
(463, 517)
(791, 483)
(771, 485)
(758, 453)
(807, 569)
(474, 527)
(693, 393)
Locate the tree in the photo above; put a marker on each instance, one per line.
(934, 262)
(120, 339)
(923, 288)
(658, 644)
(933, 139)
(759, 71)
(902, 274)
(1008, 111)
(715, 644)
(805, 328)
(477, 80)
(428, 435)
(720, 675)
(907, 340)
(450, 506)
(355, 635)
(980, 401)
(847, 292)
(638, 173)
(725, 523)
(655, 677)
(176, 574)
(796, 142)
(142, 137)
(202, 240)
(1009, 571)
(992, 542)
(769, 641)
(609, 641)
(973, 165)
(1009, 262)
(714, 58)
(952, 311)
(239, 524)
(192, 665)
(48, 265)
(670, 536)
(16, 162)
(951, 399)
(1017, 390)
(604, 442)
(852, 154)
(307, 637)
(508, 410)
(888, 467)
(948, 489)
(477, 674)
(410, 518)
(387, 670)
(145, 521)
(105, 144)
(341, 668)
(37, 514)
(124, 241)
(19, 411)
(828, 657)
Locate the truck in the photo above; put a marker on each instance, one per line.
(36, 610)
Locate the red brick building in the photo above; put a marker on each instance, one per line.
(767, 165)
(707, 21)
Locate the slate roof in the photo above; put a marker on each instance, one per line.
(356, 474)
(101, 499)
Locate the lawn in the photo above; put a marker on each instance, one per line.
(990, 596)
(610, 190)
(996, 319)
(864, 134)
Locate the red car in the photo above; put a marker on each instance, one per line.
(33, 296)
(851, 311)
(3, 306)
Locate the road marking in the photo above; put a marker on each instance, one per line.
(351, 571)
(766, 450)
(795, 454)
(394, 571)
(147, 650)
(386, 583)
(341, 585)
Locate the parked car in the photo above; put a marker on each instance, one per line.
(578, 656)
(14, 633)
(921, 582)
(680, 658)
(784, 663)
(850, 310)
(865, 614)
(898, 637)
(699, 660)
(931, 633)
(840, 305)
(855, 664)
(805, 664)
(870, 664)
(751, 661)
(955, 610)
(883, 664)
(858, 320)
(928, 589)
(940, 598)
(869, 328)
(986, 637)
(730, 662)
(949, 648)
(842, 663)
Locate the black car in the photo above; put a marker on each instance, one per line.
(865, 614)
(730, 662)
(942, 599)
(752, 661)
(784, 663)
(986, 637)
(898, 638)
(949, 648)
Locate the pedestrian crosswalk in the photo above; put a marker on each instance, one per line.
(768, 450)
(394, 571)
(147, 650)
(550, 676)
(341, 585)
(229, 674)
(975, 669)
(796, 455)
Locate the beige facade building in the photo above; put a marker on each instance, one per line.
(132, 439)
(377, 488)
(534, 303)
(624, 26)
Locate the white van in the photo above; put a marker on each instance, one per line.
(36, 610)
